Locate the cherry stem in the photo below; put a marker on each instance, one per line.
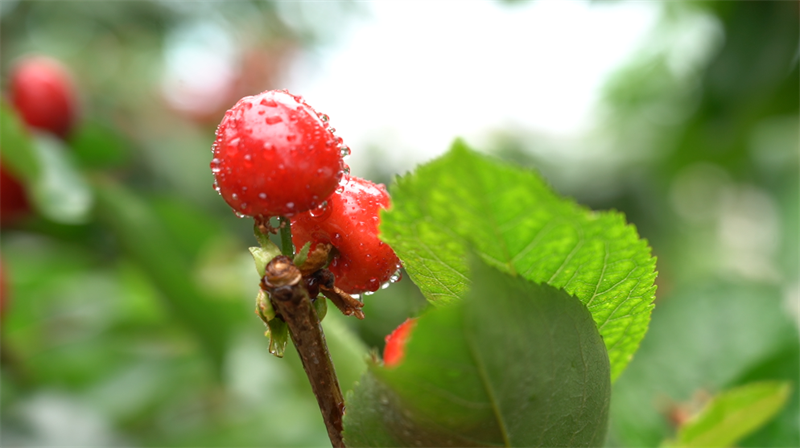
(289, 297)
(286, 236)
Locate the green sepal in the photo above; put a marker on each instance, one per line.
(262, 256)
(302, 255)
(321, 307)
(264, 308)
(278, 334)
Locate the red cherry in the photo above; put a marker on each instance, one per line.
(274, 155)
(396, 343)
(43, 93)
(349, 222)
(13, 200)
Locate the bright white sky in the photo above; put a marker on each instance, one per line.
(415, 75)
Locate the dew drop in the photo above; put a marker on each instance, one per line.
(247, 157)
(319, 210)
(369, 293)
(290, 205)
(239, 215)
(331, 130)
(235, 196)
(264, 196)
(373, 283)
(324, 118)
(344, 150)
(215, 162)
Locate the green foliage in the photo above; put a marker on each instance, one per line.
(517, 224)
(22, 159)
(514, 364)
(732, 415)
(42, 162)
(749, 328)
(60, 192)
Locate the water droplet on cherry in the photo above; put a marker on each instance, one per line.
(319, 210)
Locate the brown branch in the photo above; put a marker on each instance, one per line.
(286, 288)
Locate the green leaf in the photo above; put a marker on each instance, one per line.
(97, 144)
(60, 192)
(782, 430)
(516, 223)
(514, 364)
(732, 415)
(704, 337)
(145, 241)
(17, 153)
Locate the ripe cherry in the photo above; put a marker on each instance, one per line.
(275, 156)
(349, 221)
(43, 93)
(395, 348)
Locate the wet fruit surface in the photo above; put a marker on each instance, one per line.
(274, 155)
(396, 343)
(43, 93)
(349, 221)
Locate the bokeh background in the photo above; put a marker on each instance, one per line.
(134, 325)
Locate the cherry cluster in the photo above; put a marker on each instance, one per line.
(274, 155)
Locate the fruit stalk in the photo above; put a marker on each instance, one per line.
(286, 236)
(287, 291)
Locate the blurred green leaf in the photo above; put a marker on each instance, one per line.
(17, 152)
(784, 430)
(517, 224)
(348, 352)
(43, 163)
(732, 415)
(98, 145)
(60, 192)
(146, 241)
(514, 364)
(703, 337)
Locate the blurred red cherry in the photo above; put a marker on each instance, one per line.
(13, 199)
(43, 92)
